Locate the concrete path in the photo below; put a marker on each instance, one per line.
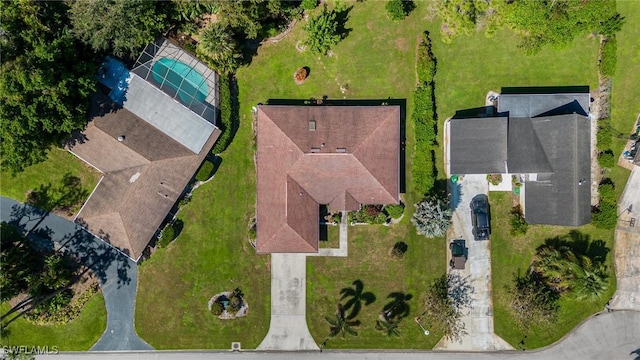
(117, 273)
(626, 250)
(479, 319)
(288, 329)
(343, 250)
(614, 335)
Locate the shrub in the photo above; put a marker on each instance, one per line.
(322, 32)
(605, 215)
(398, 9)
(228, 113)
(518, 224)
(168, 234)
(606, 159)
(394, 211)
(532, 302)
(432, 218)
(216, 308)
(369, 214)
(494, 179)
(608, 59)
(204, 173)
(309, 4)
(605, 134)
(426, 62)
(398, 250)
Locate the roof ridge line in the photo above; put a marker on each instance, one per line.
(371, 133)
(373, 177)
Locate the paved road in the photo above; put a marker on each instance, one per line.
(288, 328)
(478, 319)
(627, 247)
(117, 273)
(608, 336)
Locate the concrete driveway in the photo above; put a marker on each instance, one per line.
(288, 328)
(479, 318)
(118, 274)
(627, 247)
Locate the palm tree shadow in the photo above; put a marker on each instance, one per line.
(357, 296)
(398, 307)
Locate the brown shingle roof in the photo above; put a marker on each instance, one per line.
(351, 158)
(144, 175)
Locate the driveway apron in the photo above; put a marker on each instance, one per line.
(116, 272)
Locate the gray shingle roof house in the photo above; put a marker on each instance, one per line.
(147, 143)
(543, 134)
(307, 156)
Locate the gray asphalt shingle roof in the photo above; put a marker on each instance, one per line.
(544, 134)
(478, 145)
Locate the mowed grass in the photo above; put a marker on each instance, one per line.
(51, 171)
(79, 334)
(512, 255)
(375, 61)
(210, 256)
(626, 86)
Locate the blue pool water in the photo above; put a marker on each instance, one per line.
(194, 85)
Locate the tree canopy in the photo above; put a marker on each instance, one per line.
(45, 81)
(322, 32)
(121, 27)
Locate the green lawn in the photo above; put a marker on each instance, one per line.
(211, 255)
(376, 60)
(511, 255)
(49, 172)
(626, 85)
(80, 334)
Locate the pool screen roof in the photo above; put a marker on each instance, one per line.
(179, 75)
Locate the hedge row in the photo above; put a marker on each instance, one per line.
(605, 134)
(227, 114)
(424, 117)
(605, 215)
(608, 57)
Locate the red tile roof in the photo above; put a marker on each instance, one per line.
(351, 158)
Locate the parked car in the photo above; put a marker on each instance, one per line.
(480, 217)
(458, 254)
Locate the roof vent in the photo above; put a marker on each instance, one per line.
(312, 125)
(121, 138)
(341, 150)
(315, 149)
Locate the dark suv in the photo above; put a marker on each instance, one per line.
(480, 217)
(458, 258)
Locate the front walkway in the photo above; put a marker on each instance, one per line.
(479, 318)
(626, 251)
(288, 329)
(117, 273)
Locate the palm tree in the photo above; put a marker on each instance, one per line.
(357, 296)
(218, 44)
(388, 327)
(340, 324)
(590, 279)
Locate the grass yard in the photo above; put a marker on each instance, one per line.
(510, 255)
(375, 61)
(79, 334)
(211, 255)
(48, 172)
(626, 86)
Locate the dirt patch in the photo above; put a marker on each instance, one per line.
(401, 44)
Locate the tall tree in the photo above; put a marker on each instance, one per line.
(322, 31)
(217, 44)
(122, 27)
(46, 78)
(251, 17)
(340, 324)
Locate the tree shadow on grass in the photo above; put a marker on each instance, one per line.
(357, 296)
(398, 307)
(580, 244)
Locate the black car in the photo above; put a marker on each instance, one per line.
(480, 217)
(458, 258)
